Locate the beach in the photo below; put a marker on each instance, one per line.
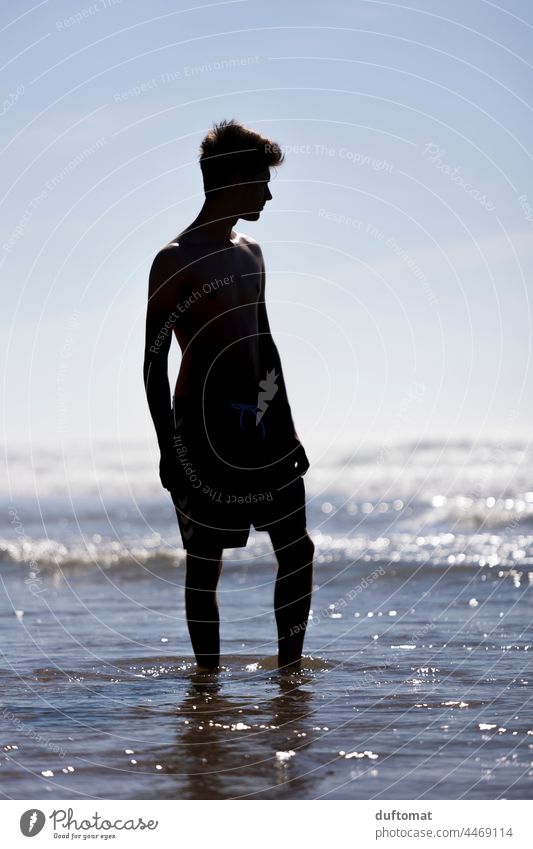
(416, 681)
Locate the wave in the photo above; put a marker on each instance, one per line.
(393, 553)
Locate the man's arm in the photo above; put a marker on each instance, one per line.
(270, 359)
(160, 318)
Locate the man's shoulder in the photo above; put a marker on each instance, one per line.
(251, 243)
(170, 259)
(249, 240)
(171, 252)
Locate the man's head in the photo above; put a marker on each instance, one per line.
(235, 163)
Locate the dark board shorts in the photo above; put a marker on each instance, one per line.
(231, 478)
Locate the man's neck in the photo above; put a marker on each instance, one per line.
(212, 226)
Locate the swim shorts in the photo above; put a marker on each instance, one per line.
(230, 477)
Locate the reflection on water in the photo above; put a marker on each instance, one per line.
(380, 724)
(224, 748)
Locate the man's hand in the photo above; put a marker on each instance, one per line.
(301, 459)
(291, 454)
(170, 471)
(297, 458)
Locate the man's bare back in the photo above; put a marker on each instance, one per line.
(216, 294)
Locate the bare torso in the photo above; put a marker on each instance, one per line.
(216, 325)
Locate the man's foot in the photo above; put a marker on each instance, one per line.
(207, 667)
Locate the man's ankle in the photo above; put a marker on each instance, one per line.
(208, 664)
(289, 664)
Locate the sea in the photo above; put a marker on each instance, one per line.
(416, 681)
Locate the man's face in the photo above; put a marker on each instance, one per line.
(250, 194)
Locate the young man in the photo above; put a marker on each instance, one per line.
(230, 455)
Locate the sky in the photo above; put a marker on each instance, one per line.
(398, 244)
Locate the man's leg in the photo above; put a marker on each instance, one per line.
(292, 595)
(202, 573)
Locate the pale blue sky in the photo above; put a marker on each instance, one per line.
(398, 243)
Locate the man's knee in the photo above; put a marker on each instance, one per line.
(307, 547)
(302, 543)
(204, 551)
(300, 550)
(203, 569)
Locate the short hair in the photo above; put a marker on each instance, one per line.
(230, 148)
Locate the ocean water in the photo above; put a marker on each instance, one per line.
(417, 676)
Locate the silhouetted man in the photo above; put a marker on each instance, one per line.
(230, 455)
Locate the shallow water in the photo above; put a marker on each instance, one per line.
(417, 679)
